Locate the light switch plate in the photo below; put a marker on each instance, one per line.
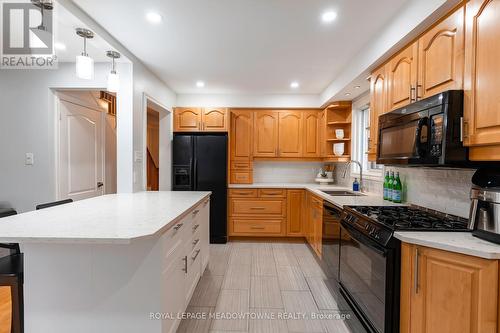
(29, 159)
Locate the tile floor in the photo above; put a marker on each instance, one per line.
(268, 287)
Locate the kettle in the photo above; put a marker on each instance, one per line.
(485, 205)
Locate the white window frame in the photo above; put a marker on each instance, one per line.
(361, 132)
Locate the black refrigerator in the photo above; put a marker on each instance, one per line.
(199, 163)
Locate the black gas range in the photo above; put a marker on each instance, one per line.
(370, 257)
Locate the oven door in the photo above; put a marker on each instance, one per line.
(363, 267)
(331, 241)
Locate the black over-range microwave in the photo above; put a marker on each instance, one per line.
(425, 133)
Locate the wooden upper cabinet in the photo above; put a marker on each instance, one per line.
(402, 78)
(311, 141)
(187, 119)
(482, 73)
(241, 135)
(266, 133)
(290, 134)
(441, 56)
(378, 106)
(322, 133)
(447, 292)
(215, 119)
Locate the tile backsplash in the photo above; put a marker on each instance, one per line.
(445, 190)
(285, 172)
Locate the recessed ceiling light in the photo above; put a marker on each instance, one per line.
(348, 94)
(357, 87)
(153, 17)
(328, 16)
(294, 85)
(59, 46)
(200, 84)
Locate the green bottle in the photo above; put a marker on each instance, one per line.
(397, 189)
(390, 186)
(386, 186)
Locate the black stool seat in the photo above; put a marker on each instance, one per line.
(4, 212)
(11, 266)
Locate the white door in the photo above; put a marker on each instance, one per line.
(81, 167)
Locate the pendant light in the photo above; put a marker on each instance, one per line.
(84, 63)
(113, 78)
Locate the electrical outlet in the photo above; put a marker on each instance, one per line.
(137, 156)
(29, 159)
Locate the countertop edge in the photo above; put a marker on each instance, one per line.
(467, 249)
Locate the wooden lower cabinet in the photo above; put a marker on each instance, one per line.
(447, 292)
(295, 225)
(314, 222)
(275, 212)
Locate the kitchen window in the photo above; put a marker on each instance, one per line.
(360, 144)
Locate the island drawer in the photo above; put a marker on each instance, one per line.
(257, 207)
(193, 272)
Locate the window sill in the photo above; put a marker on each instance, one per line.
(370, 175)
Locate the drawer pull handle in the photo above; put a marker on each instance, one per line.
(258, 208)
(196, 241)
(196, 227)
(242, 193)
(196, 255)
(196, 212)
(257, 228)
(178, 226)
(185, 269)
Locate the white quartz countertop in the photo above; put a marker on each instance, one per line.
(115, 218)
(459, 242)
(367, 199)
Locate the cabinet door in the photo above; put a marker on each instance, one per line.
(322, 134)
(295, 213)
(241, 135)
(311, 134)
(187, 119)
(378, 106)
(482, 73)
(447, 292)
(290, 134)
(402, 82)
(265, 133)
(441, 56)
(214, 119)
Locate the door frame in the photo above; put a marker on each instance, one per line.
(57, 116)
(165, 147)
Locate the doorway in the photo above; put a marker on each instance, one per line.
(86, 144)
(157, 146)
(153, 150)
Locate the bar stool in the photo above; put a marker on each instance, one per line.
(11, 275)
(52, 204)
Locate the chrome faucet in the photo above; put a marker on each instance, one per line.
(360, 173)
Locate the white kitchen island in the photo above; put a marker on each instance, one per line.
(117, 263)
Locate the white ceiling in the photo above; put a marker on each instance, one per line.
(65, 25)
(244, 46)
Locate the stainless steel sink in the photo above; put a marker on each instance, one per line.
(343, 193)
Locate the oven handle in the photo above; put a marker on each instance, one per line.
(359, 237)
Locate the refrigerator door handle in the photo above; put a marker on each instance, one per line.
(195, 172)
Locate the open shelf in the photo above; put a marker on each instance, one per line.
(339, 123)
(339, 140)
(334, 158)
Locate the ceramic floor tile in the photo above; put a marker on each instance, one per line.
(200, 324)
(285, 257)
(207, 291)
(237, 277)
(302, 302)
(265, 292)
(321, 294)
(240, 256)
(231, 301)
(291, 278)
(341, 322)
(263, 265)
(267, 321)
